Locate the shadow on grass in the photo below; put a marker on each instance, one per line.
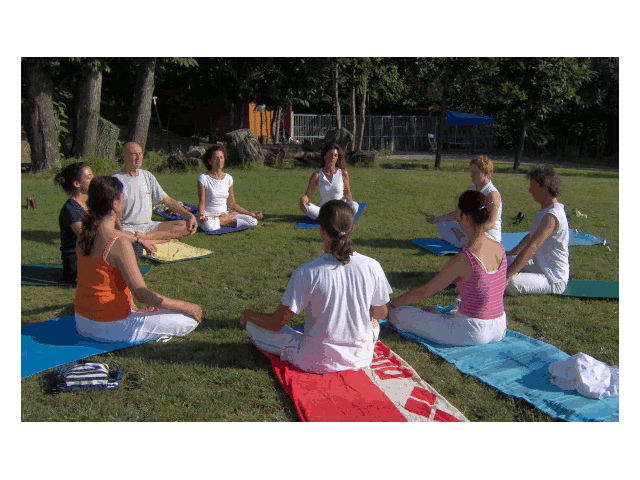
(221, 355)
(41, 236)
(64, 310)
(293, 219)
(409, 280)
(371, 242)
(403, 166)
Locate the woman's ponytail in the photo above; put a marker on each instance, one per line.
(336, 218)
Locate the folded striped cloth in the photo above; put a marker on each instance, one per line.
(85, 376)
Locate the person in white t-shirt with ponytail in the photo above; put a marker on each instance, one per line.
(344, 295)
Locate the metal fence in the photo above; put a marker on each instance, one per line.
(396, 132)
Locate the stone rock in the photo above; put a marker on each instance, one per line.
(195, 151)
(179, 163)
(362, 158)
(342, 137)
(244, 148)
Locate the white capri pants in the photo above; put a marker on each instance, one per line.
(241, 219)
(531, 281)
(276, 342)
(448, 329)
(137, 327)
(313, 210)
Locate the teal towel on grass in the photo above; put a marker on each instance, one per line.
(592, 289)
(519, 366)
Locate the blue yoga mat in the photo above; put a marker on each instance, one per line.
(509, 241)
(55, 342)
(306, 222)
(519, 366)
(192, 208)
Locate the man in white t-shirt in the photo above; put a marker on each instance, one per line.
(539, 264)
(141, 192)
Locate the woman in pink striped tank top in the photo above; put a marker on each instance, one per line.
(480, 273)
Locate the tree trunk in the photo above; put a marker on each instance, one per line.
(336, 100)
(141, 106)
(232, 112)
(443, 114)
(520, 149)
(88, 114)
(278, 117)
(363, 106)
(241, 120)
(353, 107)
(41, 124)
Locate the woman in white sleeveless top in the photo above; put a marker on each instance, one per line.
(215, 190)
(481, 169)
(539, 264)
(332, 181)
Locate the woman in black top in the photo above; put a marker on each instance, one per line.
(74, 179)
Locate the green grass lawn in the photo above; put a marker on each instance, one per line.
(215, 374)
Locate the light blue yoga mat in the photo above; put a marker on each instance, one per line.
(509, 241)
(306, 222)
(519, 366)
(55, 342)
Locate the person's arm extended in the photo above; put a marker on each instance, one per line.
(521, 246)
(526, 250)
(270, 321)
(177, 207)
(122, 257)
(347, 186)
(201, 196)
(313, 183)
(447, 217)
(457, 267)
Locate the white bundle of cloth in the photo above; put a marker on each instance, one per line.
(590, 377)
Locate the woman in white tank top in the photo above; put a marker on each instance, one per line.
(332, 181)
(481, 169)
(215, 190)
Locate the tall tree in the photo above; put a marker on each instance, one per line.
(141, 105)
(535, 87)
(336, 96)
(352, 112)
(40, 120)
(88, 106)
(443, 110)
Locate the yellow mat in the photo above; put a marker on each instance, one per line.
(176, 251)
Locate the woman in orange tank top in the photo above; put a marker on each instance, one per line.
(109, 279)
